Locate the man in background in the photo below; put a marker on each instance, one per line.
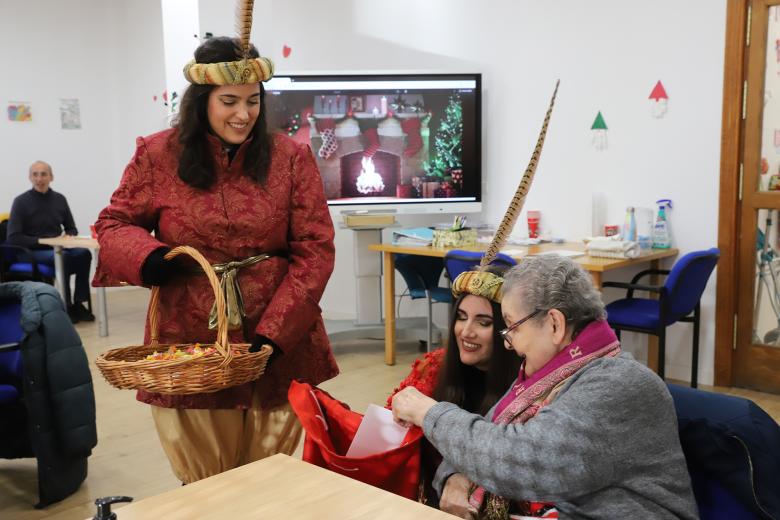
(43, 213)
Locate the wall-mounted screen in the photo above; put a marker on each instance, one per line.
(407, 140)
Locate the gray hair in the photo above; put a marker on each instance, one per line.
(554, 282)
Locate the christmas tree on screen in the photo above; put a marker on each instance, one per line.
(448, 142)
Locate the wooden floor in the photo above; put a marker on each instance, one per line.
(128, 459)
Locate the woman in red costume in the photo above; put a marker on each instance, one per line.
(218, 181)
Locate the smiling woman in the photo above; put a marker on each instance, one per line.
(253, 205)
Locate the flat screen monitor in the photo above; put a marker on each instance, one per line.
(406, 142)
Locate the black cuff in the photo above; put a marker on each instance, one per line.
(156, 269)
(258, 343)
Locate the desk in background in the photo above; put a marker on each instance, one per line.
(278, 487)
(66, 242)
(595, 266)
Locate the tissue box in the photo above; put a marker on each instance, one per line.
(449, 238)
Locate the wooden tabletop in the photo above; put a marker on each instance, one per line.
(590, 263)
(278, 487)
(67, 241)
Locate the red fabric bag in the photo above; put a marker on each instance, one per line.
(330, 427)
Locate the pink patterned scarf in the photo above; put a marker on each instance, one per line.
(529, 394)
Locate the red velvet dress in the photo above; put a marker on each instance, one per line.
(232, 220)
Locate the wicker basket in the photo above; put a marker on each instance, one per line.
(128, 368)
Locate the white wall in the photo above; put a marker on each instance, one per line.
(608, 54)
(106, 54)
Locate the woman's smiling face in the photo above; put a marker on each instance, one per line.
(233, 111)
(474, 331)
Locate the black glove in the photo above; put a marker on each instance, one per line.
(258, 343)
(156, 269)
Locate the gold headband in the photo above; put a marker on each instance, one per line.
(240, 72)
(478, 283)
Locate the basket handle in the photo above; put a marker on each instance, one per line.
(221, 345)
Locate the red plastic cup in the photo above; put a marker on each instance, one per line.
(533, 223)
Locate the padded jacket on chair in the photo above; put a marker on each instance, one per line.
(732, 448)
(57, 389)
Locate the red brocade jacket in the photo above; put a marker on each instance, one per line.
(234, 219)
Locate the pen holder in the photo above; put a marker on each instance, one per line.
(454, 238)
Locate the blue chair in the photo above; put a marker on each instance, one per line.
(678, 301)
(421, 274)
(13, 415)
(732, 448)
(17, 263)
(458, 260)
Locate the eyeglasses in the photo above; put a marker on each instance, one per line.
(505, 332)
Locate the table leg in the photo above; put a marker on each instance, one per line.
(652, 341)
(59, 273)
(596, 276)
(388, 262)
(102, 316)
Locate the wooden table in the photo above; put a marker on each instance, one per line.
(595, 266)
(278, 487)
(68, 242)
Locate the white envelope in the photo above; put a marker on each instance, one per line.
(377, 433)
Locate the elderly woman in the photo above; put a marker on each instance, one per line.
(584, 426)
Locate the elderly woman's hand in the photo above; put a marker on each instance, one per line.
(455, 497)
(410, 406)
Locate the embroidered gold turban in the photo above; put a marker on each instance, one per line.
(478, 283)
(240, 72)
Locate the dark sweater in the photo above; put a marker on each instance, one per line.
(37, 215)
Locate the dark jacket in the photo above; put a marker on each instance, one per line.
(57, 390)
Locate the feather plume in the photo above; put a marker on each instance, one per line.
(244, 24)
(516, 204)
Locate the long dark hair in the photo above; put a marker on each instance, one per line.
(196, 165)
(467, 386)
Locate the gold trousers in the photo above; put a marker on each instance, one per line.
(202, 443)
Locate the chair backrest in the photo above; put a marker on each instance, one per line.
(687, 280)
(419, 272)
(732, 448)
(458, 260)
(10, 332)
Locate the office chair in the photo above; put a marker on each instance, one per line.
(421, 274)
(732, 448)
(458, 260)
(18, 265)
(678, 300)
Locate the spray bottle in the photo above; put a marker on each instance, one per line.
(662, 236)
(629, 227)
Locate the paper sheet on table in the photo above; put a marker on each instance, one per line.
(377, 433)
(562, 252)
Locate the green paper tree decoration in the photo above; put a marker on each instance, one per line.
(599, 123)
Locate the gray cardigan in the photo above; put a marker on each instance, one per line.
(606, 447)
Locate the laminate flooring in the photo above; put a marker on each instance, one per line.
(128, 459)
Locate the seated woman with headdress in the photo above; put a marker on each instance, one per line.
(584, 426)
(473, 371)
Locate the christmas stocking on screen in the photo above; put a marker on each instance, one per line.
(327, 129)
(411, 128)
(369, 129)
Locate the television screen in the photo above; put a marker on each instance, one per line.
(401, 139)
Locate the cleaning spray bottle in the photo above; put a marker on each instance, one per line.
(662, 236)
(629, 227)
